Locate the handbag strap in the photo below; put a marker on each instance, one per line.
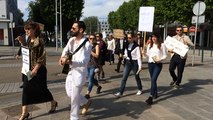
(79, 47)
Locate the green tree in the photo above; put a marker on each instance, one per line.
(43, 11)
(92, 24)
(112, 20)
(127, 15)
(20, 17)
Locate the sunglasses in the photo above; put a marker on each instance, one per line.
(178, 30)
(28, 28)
(91, 38)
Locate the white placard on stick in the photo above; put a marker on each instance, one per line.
(146, 19)
(177, 46)
(26, 62)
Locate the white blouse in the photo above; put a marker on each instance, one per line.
(161, 53)
(111, 44)
(136, 54)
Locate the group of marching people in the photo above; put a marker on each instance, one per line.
(86, 57)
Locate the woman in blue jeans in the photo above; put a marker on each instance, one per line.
(132, 55)
(156, 52)
(92, 65)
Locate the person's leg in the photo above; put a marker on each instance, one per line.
(90, 79)
(25, 113)
(151, 71)
(172, 67)
(156, 71)
(74, 110)
(113, 58)
(180, 69)
(119, 63)
(110, 57)
(137, 76)
(22, 85)
(94, 81)
(102, 72)
(126, 72)
(76, 100)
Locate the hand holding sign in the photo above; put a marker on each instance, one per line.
(176, 46)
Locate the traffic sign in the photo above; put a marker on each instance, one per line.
(201, 19)
(199, 8)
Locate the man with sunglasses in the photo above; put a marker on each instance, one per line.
(76, 77)
(178, 61)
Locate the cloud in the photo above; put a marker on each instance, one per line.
(99, 8)
(23, 5)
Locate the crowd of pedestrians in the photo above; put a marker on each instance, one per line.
(86, 57)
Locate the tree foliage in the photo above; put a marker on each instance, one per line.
(20, 16)
(127, 15)
(92, 24)
(43, 11)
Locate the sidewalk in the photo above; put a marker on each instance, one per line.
(7, 52)
(193, 101)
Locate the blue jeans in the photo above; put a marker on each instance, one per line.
(91, 78)
(127, 68)
(154, 71)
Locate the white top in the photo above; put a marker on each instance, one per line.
(154, 51)
(111, 44)
(121, 41)
(136, 54)
(80, 58)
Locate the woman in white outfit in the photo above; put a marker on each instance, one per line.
(78, 69)
(156, 52)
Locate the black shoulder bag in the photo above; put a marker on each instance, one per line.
(66, 67)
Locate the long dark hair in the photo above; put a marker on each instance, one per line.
(159, 40)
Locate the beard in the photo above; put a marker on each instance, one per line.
(74, 34)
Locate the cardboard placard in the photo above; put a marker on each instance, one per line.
(118, 33)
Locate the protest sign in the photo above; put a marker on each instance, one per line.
(177, 46)
(118, 33)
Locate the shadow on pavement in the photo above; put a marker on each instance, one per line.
(189, 88)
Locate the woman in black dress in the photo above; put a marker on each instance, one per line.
(35, 90)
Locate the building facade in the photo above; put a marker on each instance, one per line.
(8, 19)
(104, 26)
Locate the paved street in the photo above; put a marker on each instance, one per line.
(193, 101)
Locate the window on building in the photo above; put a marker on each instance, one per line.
(1, 34)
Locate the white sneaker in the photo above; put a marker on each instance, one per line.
(139, 92)
(118, 94)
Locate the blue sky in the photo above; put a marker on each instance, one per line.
(100, 8)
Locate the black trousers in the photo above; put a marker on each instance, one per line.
(119, 62)
(179, 63)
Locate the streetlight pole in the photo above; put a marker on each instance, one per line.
(60, 24)
(11, 26)
(56, 24)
